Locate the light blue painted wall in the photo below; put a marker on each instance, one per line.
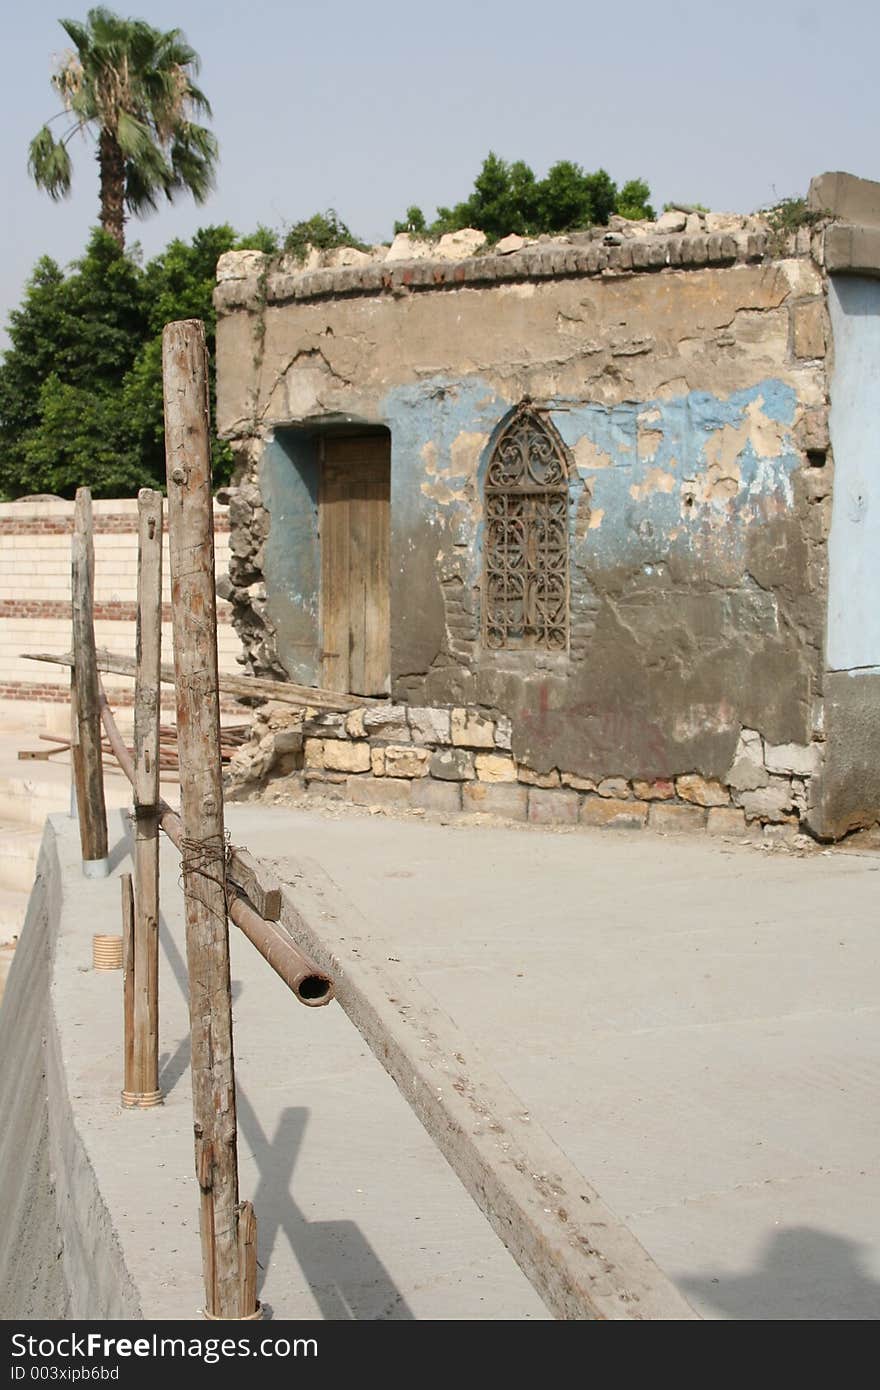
(853, 639)
(292, 561)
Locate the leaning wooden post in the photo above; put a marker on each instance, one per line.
(145, 1092)
(86, 749)
(203, 848)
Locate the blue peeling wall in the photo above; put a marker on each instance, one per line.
(688, 574)
(289, 474)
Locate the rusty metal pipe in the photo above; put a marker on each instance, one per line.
(299, 972)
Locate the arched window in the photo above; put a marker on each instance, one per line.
(526, 537)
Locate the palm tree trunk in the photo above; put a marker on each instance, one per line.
(112, 165)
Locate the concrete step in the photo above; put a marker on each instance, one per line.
(19, 847)
(29, 800)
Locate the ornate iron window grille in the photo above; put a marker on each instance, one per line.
(526, 549)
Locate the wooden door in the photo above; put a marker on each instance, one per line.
(355, 524)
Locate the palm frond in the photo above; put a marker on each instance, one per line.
(49, 164)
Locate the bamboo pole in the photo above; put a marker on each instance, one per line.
(146, 800)
(194, 621)
(128, 1074)
(88, 771)
(311, 985)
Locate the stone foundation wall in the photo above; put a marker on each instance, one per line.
(459, 759)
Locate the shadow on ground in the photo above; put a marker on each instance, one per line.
(345, 1275)
(805, 1274)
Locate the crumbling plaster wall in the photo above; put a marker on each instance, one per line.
(693, 405)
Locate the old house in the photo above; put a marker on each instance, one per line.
(593, 514)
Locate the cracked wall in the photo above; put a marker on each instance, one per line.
(693, 404)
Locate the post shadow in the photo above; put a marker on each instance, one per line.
(346, 1277)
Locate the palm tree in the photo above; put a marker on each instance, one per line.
(131, 88)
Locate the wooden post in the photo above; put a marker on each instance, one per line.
(203, 847)
(128, 1074)
(247, 1259)
(86, 749)
(144, 1092)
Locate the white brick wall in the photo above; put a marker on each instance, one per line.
(35, 569)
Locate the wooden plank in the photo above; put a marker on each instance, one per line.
(194, 621)
(246, 687)
(355, 567)
(335, 564)
(247, 1259)
(146, 794)
(88, 771)
(583, 1261)
(359, 572)
(256, 881)
(378, 587)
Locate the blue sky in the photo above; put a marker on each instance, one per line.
(368, 108)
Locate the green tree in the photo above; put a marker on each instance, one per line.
(72, 340)
(131, 88)
(509, 198)
(81, 384)
(633, 201)
(413, 222)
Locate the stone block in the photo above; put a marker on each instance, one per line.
(388, 722)
(793, 759)
(496, 799)
(746, 776)
(503, 733)
(381, 791)
(726, 820)
(786, 833)
(615, 787)
(495, 767)
(313, 752)
(430, 726)
(377, 762)
(436, 796)
(410, 248)
(775, 802)
(701, 791)
(538, 779)
(354, 724)
(578, 784)
(457, 246)
(406, 761)
(672, 221)
(659, 790)
(676, 820)
(611, 811)
(452, 765)
(553, 807)
(808, 329)
(749, 745)
(342, 756)
(326, 725)
(472, 730)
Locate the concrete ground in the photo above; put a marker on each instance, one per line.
(694, 1022)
